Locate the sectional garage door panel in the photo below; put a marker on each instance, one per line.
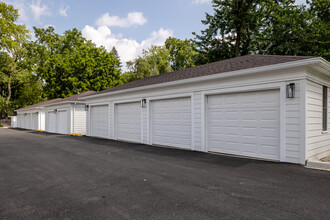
(62, 120)
(128, 121)
(171, 122)
(100, 121)
(27, 120)
(246, 124)
(51, 122)
(35, 121)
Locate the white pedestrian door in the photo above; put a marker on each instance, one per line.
(62, 120)
(35, 121)
(99, 120)
(171, 122)
(128, 121)
(246, 124)
(51, 122)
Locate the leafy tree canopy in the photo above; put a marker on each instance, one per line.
(15, 68)
(176, 54)
(240, 27)
(69, 64)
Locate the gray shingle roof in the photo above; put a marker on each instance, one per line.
(58, 100)
(76, 97)
(40, 104)
(234, 64)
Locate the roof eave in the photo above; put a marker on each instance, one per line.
(255, 70)
(29, 109)
(65, 102)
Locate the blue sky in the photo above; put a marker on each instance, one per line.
(129, 25)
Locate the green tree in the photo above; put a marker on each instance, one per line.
(182, 53)
(230, 31)
(154, 61)
(319, 41)
(240, 27)
(14, 69)
(69, 64)
(174, 55)
(116, 55)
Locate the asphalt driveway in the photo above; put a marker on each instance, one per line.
(49, 176)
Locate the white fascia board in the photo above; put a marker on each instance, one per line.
(236, 73)
(323, 66)
(29, 110)
(65, 102)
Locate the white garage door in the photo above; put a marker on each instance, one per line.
(51, 122)
(35, 121)
(171, 122)
(27, 121)
(62, 122)
(246, 124)
(19, 121)
(99, 118)
(128, 121)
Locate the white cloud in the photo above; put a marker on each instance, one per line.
(133, 18)
(39, 9)
(201, 1)
(128, 49)
(49, 25)
(63, 10)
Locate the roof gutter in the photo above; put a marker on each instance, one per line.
(28, 109)
(64, 102)
(255, 70)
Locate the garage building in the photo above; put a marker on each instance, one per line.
(33, 117)
(68, 115)
(267, 107)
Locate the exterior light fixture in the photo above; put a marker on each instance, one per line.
(55, 110)
(290, 90)
(86, 107)
(143, 103)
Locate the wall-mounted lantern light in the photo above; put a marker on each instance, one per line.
(55, 110)
(290, 90)
(143, 103)
(86, 107)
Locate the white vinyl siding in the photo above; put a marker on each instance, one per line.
(42, 119)
(171, 122)
(99, 121)
(318, 142)
(128, 121)
(246, 124)
(293, 114)
(197, 121)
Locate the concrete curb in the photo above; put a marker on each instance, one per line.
(318, 165)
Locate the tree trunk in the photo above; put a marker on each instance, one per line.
(238, 29)
(9, 91)
(238, 41)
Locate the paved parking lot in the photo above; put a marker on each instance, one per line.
(49, 176)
